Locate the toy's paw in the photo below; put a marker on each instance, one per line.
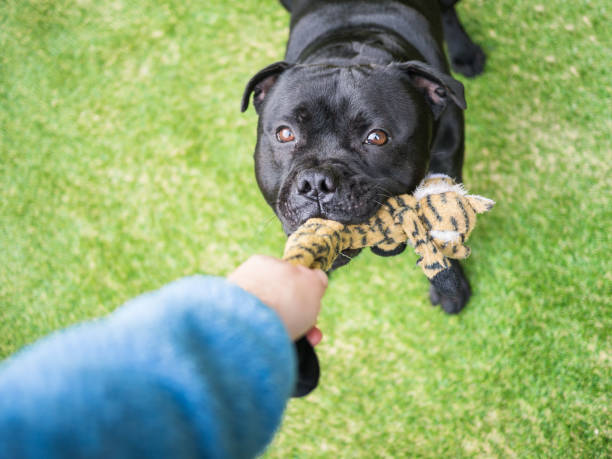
(453, 293)
(399, 248)
(457, 251)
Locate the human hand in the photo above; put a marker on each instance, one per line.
(294, 292)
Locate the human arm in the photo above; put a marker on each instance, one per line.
(199, 368)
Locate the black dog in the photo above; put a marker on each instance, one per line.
(361, 108)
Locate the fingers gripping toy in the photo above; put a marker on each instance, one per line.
(436, 220)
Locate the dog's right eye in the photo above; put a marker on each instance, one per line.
(376, 137)
(284, 134)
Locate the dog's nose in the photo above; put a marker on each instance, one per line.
(315, 183)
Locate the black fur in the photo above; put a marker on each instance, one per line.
(351, 67)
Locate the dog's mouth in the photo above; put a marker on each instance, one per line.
(350, 205)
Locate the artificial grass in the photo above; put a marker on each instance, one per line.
(125, 163)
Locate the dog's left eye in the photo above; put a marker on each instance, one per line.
(376, 137)
(284, 134)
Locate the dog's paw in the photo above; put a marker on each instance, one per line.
(469, 61)
(452, 303)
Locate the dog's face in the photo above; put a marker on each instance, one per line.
(336, 141)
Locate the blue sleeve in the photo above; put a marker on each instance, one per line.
(200, 368)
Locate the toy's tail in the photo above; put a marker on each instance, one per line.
(315, 244)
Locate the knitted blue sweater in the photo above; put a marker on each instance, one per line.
(199, 368)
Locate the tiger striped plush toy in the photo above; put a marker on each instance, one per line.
(435, 220)
(449, 213)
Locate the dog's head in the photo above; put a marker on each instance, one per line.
(336, 141)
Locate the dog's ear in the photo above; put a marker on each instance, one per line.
(261, 83)
(437, 86)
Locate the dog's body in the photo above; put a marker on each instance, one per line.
(362, 108)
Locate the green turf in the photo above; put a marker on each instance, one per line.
(125, 163)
